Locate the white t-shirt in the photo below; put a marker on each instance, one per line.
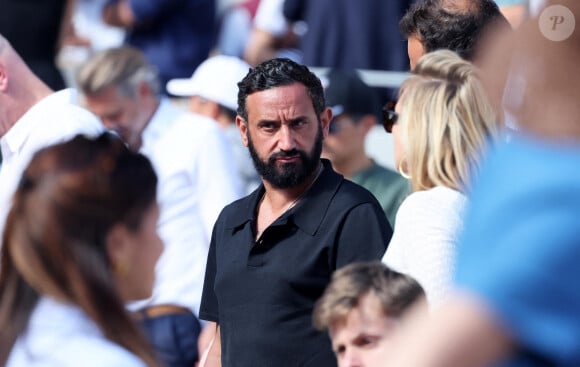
(197, 179)
(61, 335)
(54, 119)
(425, 239)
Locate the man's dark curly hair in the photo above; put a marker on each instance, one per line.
(277, 73)
(453, 25)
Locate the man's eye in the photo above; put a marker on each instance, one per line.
(299, 123)
(268, 127)
(340, 350)
(368, 342)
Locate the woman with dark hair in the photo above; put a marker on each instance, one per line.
(80, 241)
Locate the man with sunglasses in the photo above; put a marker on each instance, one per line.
(355, 108)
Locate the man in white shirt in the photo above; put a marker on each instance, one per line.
(192, 159)
(32, 116)
(213, 92)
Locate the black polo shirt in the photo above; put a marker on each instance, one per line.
(262, 293)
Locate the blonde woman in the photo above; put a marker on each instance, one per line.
(440, 127)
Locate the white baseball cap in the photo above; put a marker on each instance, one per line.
(215, 79)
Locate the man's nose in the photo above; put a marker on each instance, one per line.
(108, 123)
(286, 138)
(351, 358)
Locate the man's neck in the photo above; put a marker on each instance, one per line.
(353, 166)
(21, 101)
(280, 199)
(275, 201)
(151, 106)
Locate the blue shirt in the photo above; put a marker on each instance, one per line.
(347, 34)
(175, 35)
(520, 252)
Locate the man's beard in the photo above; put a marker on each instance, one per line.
(288, 174)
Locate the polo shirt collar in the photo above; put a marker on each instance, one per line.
(16, 136)
(246, 210)
(307, 214)
(310, 211)
(158, 123)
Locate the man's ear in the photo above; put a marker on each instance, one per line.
(213, 109)
(243, 128)
(367, 122)
(325, 119)
(3, 78)
(144, 90)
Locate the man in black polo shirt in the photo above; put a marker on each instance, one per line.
(272, 253)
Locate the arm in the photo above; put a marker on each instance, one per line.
(270, 33)
(261, 46)
(68, 35)
(448, 337)
(212, 356)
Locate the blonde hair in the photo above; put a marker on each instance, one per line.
(446, 120)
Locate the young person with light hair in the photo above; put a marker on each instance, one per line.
(440, 127)
(361, 307)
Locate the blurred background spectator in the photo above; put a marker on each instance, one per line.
(272, 35)
(235, 24)
(192, 159)
(175, 35)
(356, 108)
(213, 92)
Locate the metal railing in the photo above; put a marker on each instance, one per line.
(373, 78)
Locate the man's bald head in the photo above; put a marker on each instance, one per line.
(20, 88)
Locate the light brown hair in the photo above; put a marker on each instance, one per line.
(396, 292)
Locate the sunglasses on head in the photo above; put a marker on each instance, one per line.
(390, 117)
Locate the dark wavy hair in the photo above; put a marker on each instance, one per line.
(277, 73)
(69, 198)
(452, 25)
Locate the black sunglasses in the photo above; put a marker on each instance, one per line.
(390, 117)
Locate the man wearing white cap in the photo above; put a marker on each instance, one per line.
(213, 92)
(190, 155)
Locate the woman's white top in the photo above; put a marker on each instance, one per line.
(425, 239)
(62, 335)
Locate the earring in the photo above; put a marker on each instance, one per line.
(120, 269)
(402, 171)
